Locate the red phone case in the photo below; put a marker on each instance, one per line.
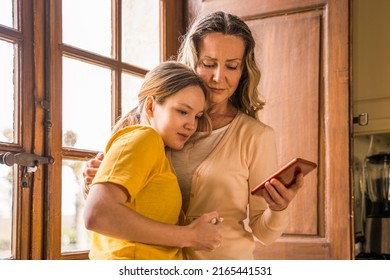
(287, 173)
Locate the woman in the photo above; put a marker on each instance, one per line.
(134, 206)
(219, 171)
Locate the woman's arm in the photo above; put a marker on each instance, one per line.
(106, 213)
(268, 208)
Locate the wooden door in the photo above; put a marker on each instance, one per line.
(302, 51)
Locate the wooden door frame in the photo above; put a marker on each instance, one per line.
(26, 118)
(39, 126)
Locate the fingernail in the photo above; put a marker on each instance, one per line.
(215, 220)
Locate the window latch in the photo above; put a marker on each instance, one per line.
(30, 161)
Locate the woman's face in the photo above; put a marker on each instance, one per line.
(177, 118)
(221, 62)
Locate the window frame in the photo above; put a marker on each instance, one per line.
(170, 15)
(36, 230)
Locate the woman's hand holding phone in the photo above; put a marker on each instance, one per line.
(280, 188)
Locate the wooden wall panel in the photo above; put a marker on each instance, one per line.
(290, 87)
(302, 50)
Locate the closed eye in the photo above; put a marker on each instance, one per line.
(232, 65)
(182, 112)
(208, 65)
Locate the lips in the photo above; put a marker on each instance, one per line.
(216, 89)
(183, 136)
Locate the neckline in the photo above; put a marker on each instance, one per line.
(223, 128)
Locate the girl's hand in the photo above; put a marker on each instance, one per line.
(206, 232)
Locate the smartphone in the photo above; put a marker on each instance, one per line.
(288, 172)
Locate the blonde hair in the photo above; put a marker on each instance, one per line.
(162, 82)
(246, 97)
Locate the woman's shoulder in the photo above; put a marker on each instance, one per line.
(252, 131)
(250, 124)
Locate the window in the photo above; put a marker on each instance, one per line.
(6, 136)
(16, 127)
(98, 50)
(62, 91)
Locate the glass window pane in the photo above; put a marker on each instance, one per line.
(86, 105)
(7, 12)
(130, 88)
(74, 236)
(6, 183)
(7, 91)
(140, 33)
(87, 25)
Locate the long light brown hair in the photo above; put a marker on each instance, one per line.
(163, 81)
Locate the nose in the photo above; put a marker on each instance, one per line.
(191, 124)
(219, 74)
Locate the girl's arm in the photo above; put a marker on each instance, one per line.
(106, 213)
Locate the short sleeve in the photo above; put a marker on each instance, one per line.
(133, 155)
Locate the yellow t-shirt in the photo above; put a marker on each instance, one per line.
(135, 159)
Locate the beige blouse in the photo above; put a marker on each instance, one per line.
(243, 157)
(197, 152)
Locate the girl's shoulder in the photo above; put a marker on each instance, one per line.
(144, 134)
(137, 130)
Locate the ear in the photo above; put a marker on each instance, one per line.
(149, 106)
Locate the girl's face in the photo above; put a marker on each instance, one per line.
(177, 118)
(221, 62)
